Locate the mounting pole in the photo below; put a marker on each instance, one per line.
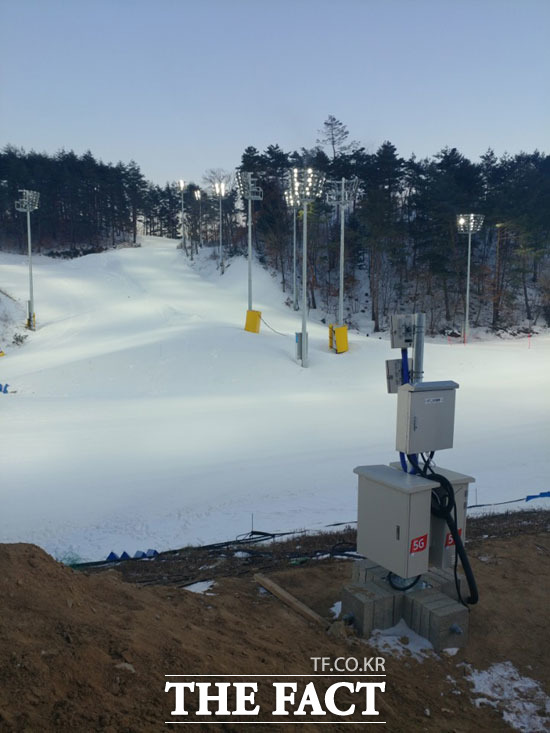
(418, 347)
(342, 222)
(304, 288)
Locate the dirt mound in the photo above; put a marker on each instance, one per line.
(90, 652)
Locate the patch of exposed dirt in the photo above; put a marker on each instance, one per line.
(89, 651)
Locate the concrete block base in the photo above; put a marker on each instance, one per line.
(430, 608)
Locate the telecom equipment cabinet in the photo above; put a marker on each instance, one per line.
(425, 416)
(442, 546)
(393, 527)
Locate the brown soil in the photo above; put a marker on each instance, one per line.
(89, 651)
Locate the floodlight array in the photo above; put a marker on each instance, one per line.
(28, 201)
(303, 185)
(469, 223)
(219, 188)
(248, 187)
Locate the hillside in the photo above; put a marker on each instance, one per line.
(141, 415)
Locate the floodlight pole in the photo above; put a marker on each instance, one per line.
(294, 293)
(220, 254)
(31, 322)
(467, 309)
(198, 197)
(248, 190)
(27, 203)
(304, 288)
(183, 243)
(219, 187)
(250, 251)
(470, 223)
(342, 222)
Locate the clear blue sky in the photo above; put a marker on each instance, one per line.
(182, 86)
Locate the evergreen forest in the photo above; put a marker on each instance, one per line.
(402, 245)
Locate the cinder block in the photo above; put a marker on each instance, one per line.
(426, 613)
(434, 615)
(449, 626)
(371, 607)
(383, 612)
(442, 580)
(417, 598)
(362, 568)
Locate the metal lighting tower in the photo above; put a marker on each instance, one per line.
(341, 193)
(292, 203)
(305, 185)
(249, 189)
(470, 223)
(219, 188)
(198, 197)
(183, 242)
(27, 203)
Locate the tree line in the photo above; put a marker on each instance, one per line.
(403, 249)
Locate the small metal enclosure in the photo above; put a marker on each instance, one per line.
(394, 374)
(299, 342)
(402, 331)
(393, 520)
(425, 416)
(442, 548)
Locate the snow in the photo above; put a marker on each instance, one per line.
(521, 700)
(202, 587)
(141, 414)
(400, 640)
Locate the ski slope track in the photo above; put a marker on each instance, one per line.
(140, 414)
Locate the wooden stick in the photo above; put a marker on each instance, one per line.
(290, 600)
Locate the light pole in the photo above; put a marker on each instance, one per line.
(305, 185)
(198, 197)
(219, 187)
(341, 193)
(27, 203)
(183, 242)
(249, 189)
(292, 204)
(470, 223)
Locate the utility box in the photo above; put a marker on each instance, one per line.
(442, 546)
(402, 331)
(425, 416)
(394, 374)
(393, 520)
(301, 345)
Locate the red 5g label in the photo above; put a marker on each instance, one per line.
(449, 540)
(419, 544)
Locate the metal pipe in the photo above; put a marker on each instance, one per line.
(31, 292)
(295, 295)
(304, 289)
(341, 288)
(220, 257)
(250, 253)
(418, 347)
(467, 310)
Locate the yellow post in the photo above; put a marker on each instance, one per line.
(253, 319)
(341, 339)
(330, 336)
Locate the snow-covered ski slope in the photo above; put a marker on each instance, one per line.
(140, 414)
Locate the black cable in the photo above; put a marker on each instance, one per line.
(444, 506)
(396, 586)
